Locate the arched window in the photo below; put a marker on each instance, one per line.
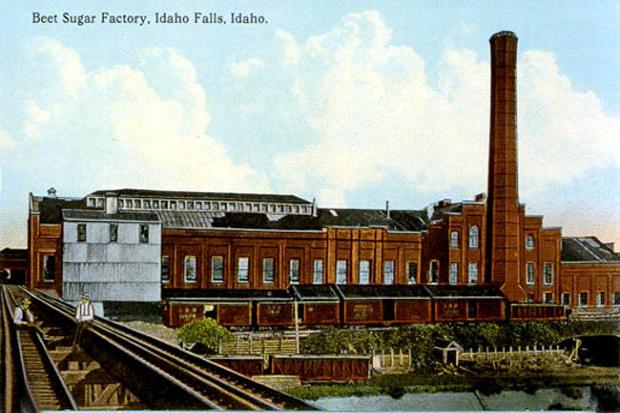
(473, 236)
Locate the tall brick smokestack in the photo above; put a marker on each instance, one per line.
(502, 240)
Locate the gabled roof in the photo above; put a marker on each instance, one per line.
(587, 249)
(215, 196)
(353, 292)
(217, 294)
(464, 291)
(100, 215)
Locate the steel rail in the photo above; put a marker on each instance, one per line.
(235, 384)
(227, 395)
(161, 390)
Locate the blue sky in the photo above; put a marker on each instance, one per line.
(349, 102)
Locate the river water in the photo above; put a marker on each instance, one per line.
(462, 401)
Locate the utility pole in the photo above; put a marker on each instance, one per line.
(296, 315)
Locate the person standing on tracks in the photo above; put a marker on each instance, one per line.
(22, 315)
(84, 315)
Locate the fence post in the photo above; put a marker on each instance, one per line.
(410, 361)
(401, 361)
(251, 342)
(391, 357)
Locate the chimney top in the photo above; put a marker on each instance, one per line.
(52, 192)
(387, 209)
(503, 33)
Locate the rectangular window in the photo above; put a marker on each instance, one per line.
(583, 299)
(412, 272)
(243, 270)
(530, 298)
(49, 268)
(113, 232)
(388, 272)
(81, 232)
(434, 271)
(454, 239)
(529, 242)
(600, 299)
(364, 272)
(530, 273)
(190, 269)
(548, 273)
(616, 298)
(566, 299)
(473, 272)
(317, 272)
(144, 233)
(341, 272)
(217, 269)
(293, 271)
(454, 273)
(268, 270)
(548, 297)
(165, 269)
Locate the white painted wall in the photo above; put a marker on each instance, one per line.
(125, 270)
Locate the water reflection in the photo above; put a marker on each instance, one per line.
(542, 399)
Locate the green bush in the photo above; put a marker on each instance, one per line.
(206, 331)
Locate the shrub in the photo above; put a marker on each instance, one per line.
(206, 332)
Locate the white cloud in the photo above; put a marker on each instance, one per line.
(142, 125)
(245, 67)
(373, 112)
(5, 140)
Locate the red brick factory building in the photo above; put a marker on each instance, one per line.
(257, 259)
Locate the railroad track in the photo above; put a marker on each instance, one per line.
(200, 383)
(32, 381)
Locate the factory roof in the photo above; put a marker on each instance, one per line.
(587, 249)
(216, 196)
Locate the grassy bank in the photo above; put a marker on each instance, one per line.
(398, 385)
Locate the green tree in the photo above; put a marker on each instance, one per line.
(206, 331)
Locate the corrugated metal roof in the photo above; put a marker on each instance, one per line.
(187, 219)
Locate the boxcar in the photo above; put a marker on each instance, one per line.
(317, 304)
(322, 368)
(247, 365)
(384, 304)
(467, 302)
(539, 312)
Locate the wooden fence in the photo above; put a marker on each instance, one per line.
(261, 345)
(392, 361)
(536, 358)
